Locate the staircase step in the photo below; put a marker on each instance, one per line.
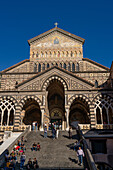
(54, 154)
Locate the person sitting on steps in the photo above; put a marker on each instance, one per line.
(38, 146)
(29, 164)
(34, 147)
(35, 163)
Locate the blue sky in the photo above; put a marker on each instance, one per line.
(21, 20)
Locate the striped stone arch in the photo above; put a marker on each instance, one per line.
(47, 81)
(23, 100)
(9, 98)
(101, 97)
(81, 96)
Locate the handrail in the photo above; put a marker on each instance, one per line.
(88, 154)
(2, 156)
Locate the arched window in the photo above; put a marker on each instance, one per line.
(75, 53)
(77, 66)
(69, 67)
(50, 54)
(5, 117)
(67, 54)
(37, 54)
(39, 67)
(60, 65)
(65, 66)
(98, 116)
(11, 117)
(73, 67)
(104, 114)
(110, 113)
(56, 41)
(71, 54)
(47, 65)
(35, 67)
(43, 67)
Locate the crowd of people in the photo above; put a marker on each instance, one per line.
(19, 150)
(55, 132)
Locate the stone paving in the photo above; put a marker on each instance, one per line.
(54, 154)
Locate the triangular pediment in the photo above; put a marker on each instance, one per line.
(57, 31)
(37, 82)
(55, 38)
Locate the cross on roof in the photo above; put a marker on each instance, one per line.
(56, 24)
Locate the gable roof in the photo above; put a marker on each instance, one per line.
(55, 67)
(57, 30)
(93, 62)
(15, 65)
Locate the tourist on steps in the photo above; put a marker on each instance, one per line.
(70, 132)
(53, 132)
(35, 163)
(80, 155)
(29, 164)
(22, 160)
(45, 132)
(34, 147)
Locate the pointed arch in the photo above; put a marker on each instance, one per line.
(73, 67)
(64, 66)
(39, 67)
(11, 117)
(43, 67)
(104, 114)
(98, 116)
(77, 66)
(60, 65)
(47, 65)
(5, 117)
(35, 67)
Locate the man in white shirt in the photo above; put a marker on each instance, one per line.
(80, 155)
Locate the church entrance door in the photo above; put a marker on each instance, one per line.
(56, 103)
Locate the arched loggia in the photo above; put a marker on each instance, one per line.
(79, 111)
(31, 112)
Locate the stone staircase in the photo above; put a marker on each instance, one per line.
(54, 154)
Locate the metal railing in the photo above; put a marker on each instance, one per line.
(88, 154)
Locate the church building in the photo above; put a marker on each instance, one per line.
(56, 84)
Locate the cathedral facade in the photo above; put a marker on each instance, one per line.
(56, 84)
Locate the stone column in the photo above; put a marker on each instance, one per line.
(67, 119)
(92, 117)
(2, 117)
(8, 117)
(17, 118)
(42, 119)
(107, 115)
